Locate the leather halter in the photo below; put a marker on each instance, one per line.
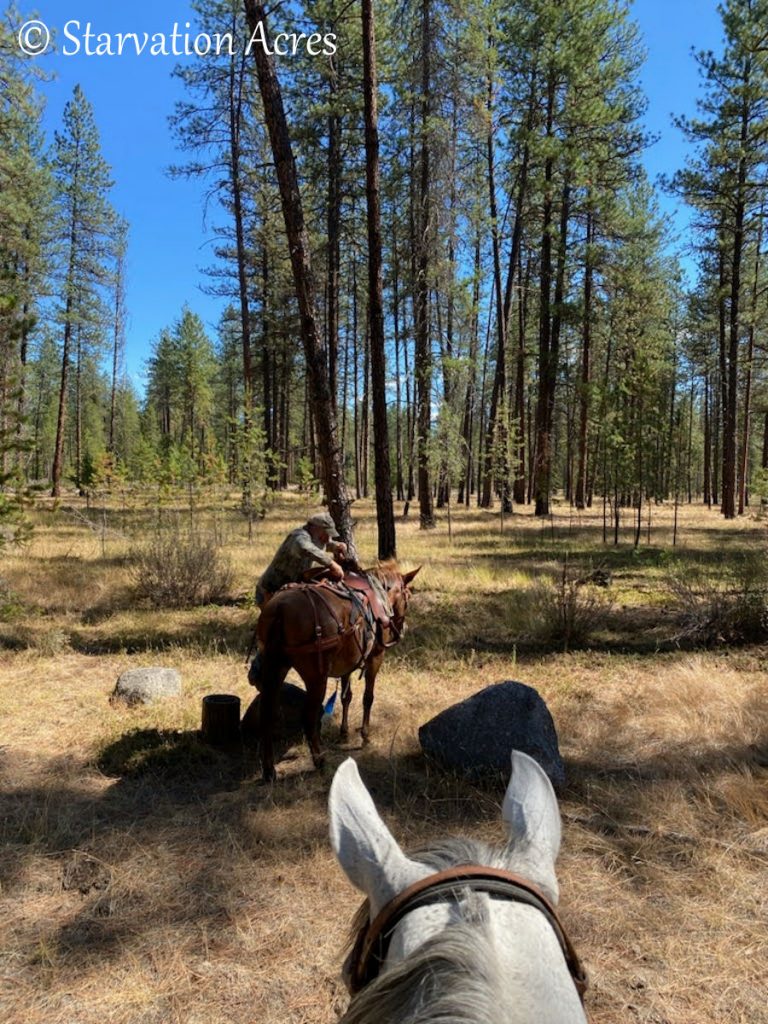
(370, 949)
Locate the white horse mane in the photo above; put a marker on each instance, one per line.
(451, 978)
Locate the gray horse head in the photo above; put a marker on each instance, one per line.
(473, 958)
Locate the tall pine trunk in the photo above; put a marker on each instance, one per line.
(301, 264)
(586, 353)
(398, 385)
(465, 486)
(334, 232)
(423, 353)
(747, 414)
(737, 252)
(496, 431)
(384, 510)
(542, 458)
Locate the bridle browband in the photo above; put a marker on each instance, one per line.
(372, 943)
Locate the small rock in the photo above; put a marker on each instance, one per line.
(146, 685)
(478, 735)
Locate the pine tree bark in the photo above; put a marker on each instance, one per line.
(495, 433)
(236, 82)
(747, 412)
(586, 353)
(520, 411)
(543, 455)
(422, 352)
(58, 452)
(707, 440)
(398, 386)
(268, 380)
(384, 511)
(737, 253)
(301, 264)
(117, 333)
(334, 233)
(365, 417)
(465, 486)
(79, 411)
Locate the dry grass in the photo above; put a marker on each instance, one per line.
(148, 879)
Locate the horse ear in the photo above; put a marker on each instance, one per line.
(364, 846)
(530, 808)
(408, 576)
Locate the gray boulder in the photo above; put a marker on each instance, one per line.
(145, 685)
(478, 735)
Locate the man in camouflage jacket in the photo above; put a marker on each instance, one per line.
(313, 544)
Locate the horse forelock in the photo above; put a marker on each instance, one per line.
(454, 851)
(445, 853)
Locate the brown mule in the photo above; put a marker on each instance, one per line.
(322, 630)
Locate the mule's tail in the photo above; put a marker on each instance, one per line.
(271, 641)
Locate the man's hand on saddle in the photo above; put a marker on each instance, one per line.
(335, 571)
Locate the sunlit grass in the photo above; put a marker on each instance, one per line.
(146, 878)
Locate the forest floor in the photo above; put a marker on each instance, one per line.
(146, 878)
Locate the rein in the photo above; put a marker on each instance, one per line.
(372, 943)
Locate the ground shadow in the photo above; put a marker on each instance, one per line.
(208, 629)
(172, 757)
(172, 791)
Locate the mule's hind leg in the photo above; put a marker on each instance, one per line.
(346, 697)
(268, 705)
(313, 713)
(371, 671)
(269, 687)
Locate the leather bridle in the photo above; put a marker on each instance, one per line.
(372, 943)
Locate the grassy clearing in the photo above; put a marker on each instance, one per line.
(146, 878)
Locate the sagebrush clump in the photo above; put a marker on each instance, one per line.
(566, 611)
(181, 570)
(731, 608)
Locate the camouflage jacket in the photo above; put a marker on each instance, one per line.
(296, 554)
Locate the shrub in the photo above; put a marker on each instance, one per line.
(730, 609)
(10, 603)
(566, 612)
(180, 570)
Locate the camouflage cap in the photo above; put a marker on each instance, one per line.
(325, 522)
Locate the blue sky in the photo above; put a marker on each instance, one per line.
(132, 97)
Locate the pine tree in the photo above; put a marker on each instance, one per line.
(387, 547)
(725, 182)
(24, 216)
(85, 225)
(304, 282)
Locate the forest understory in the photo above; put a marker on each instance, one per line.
(149, 878)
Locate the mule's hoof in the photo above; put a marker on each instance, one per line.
(319, 761)
(269, 776)
(343, 735)
(364, 736)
